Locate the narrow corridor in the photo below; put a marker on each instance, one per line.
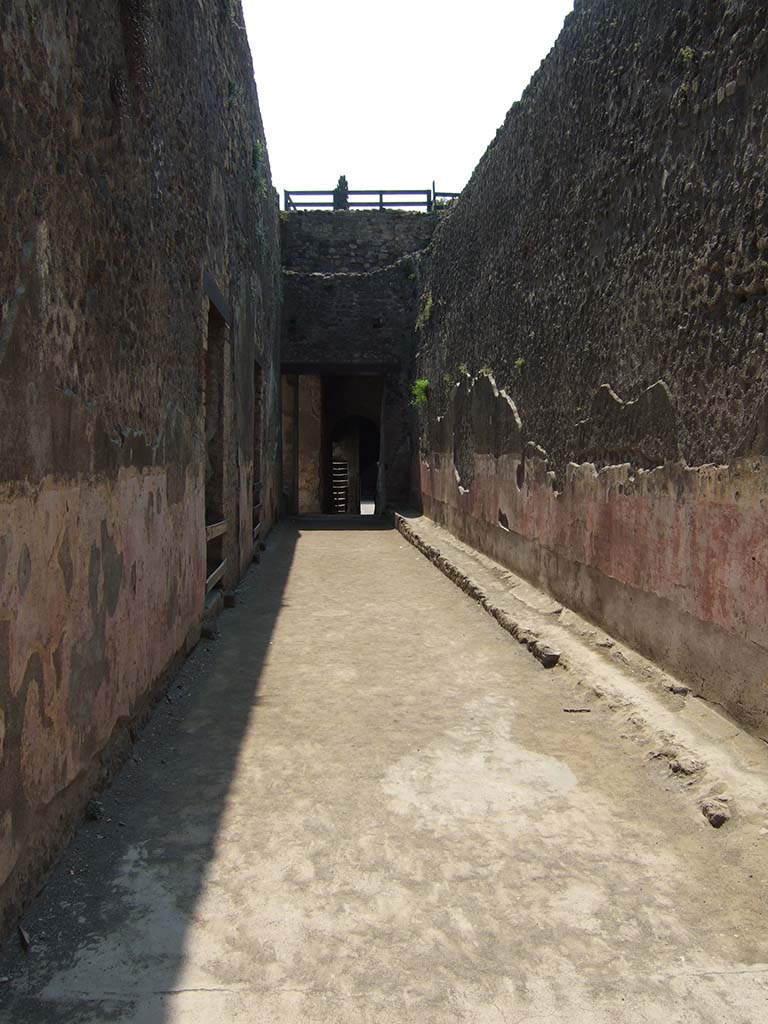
(363, 802)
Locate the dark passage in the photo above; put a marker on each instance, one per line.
(351, 447)
(355, 446)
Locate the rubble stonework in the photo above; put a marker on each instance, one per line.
(135, 186)
(357, 241)
(616, 231)
(607, 265)
(350, 288)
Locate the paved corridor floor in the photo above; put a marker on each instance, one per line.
(364, 803)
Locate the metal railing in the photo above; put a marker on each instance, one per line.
(367, 199)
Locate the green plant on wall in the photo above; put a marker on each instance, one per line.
(426, 312)
(520, 364)
(419, 391)
(687, 54)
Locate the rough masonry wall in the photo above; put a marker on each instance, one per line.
(608, 264)
(351, 240)
(135, 184)
(358, 320)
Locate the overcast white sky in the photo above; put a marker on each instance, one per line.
(393, 95)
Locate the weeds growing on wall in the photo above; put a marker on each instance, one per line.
(419, 391)
(426, 312)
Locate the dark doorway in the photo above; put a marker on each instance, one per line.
(351, 448)
(355, 450)
(334, 452)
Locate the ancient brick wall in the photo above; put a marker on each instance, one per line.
(351, 240)
(607, 264)
(135, 186)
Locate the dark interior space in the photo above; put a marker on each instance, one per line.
(351, 449)
(355, 447)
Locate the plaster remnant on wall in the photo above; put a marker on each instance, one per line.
(673, 559)
(112, 564)
(24, 570)
(608, 262)
(104, 313)
(5, 659)
(5, 544)
(172, 609)
(64, 558)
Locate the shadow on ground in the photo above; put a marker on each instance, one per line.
(160, 816)
(133, 879)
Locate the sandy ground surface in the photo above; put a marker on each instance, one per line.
(365, 802)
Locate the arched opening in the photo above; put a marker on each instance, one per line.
(355, 449)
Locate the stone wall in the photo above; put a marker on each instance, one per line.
(351, 240)
(358, 321)
(135, 190)
(607, 264)
(350, 319)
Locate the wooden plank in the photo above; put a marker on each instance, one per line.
(215, 576)
(215, 530)
(256, 531)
